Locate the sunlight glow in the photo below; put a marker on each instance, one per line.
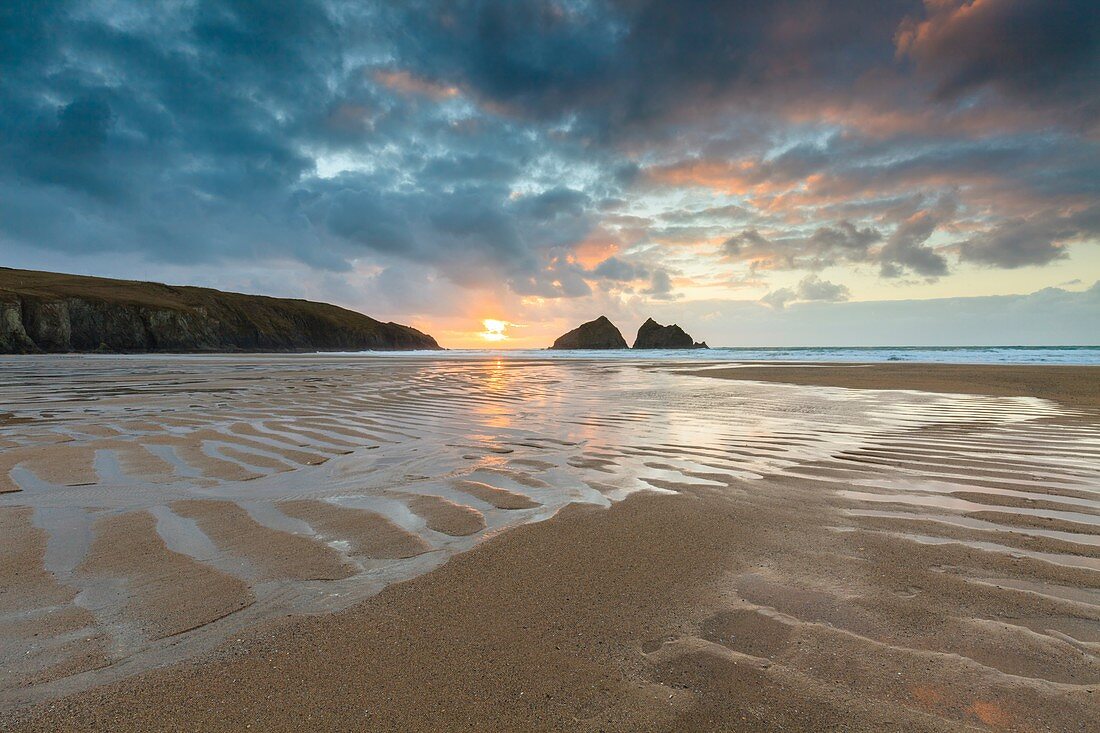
(494, 329)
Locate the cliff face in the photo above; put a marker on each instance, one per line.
(41, 311)
(653, 335)
(598, 334)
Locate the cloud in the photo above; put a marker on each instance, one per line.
(749, 240)
(905, 250)
(844, 243)
(1050, 316)
(402, 81)
(559, 201)
(635, 276)
(814, 288)
(444, 170)
(1039, 240)
(660, 286)
(741, 176)
(714, 214)
(67, 149)
(619, 270)
(778, 299)
(811, 288)
(1039, 51)
(499, 145)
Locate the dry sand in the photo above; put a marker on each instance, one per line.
(750, 605)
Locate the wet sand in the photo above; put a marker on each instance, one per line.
(933, 575)
(273, 553)
(368, 534)
(166, 592)
(663, 613)
(1075, 386)
(448, 517)
(36, 609)
(500, 498)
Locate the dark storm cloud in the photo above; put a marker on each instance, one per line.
(442, 171)
(148, 115)
(191, 133)
(1035, 49)
(627, 66)
(68, 150)
(485, 141)
(557, 202)
(474, 235)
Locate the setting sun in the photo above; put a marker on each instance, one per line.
(494, 329)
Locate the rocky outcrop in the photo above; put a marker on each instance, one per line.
(51, 312)
(653, 335)
(598, 334)
(13, 335)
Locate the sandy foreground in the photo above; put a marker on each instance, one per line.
(834, 557)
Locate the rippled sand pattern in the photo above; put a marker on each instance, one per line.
(162, 504)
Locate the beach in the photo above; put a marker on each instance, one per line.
(410, 543)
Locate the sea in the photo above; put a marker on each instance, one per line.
(836, 354)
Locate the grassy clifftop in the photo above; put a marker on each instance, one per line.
(53, 312)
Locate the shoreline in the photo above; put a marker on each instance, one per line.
(754, 605)
(1073, 385)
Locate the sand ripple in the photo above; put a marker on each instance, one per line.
(183, 498)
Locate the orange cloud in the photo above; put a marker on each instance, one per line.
(890, 116)
(730, 177)
(725, 176)
(593, 251)
(405, 83)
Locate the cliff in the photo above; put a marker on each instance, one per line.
(598, 334)
(653, 335)
(45, 311)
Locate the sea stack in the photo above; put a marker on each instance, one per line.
(598, 334)
(653, 335)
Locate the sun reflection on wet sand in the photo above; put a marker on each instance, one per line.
(439, 454)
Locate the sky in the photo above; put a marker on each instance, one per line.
(791, 172)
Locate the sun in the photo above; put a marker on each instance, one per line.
(494, 329)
